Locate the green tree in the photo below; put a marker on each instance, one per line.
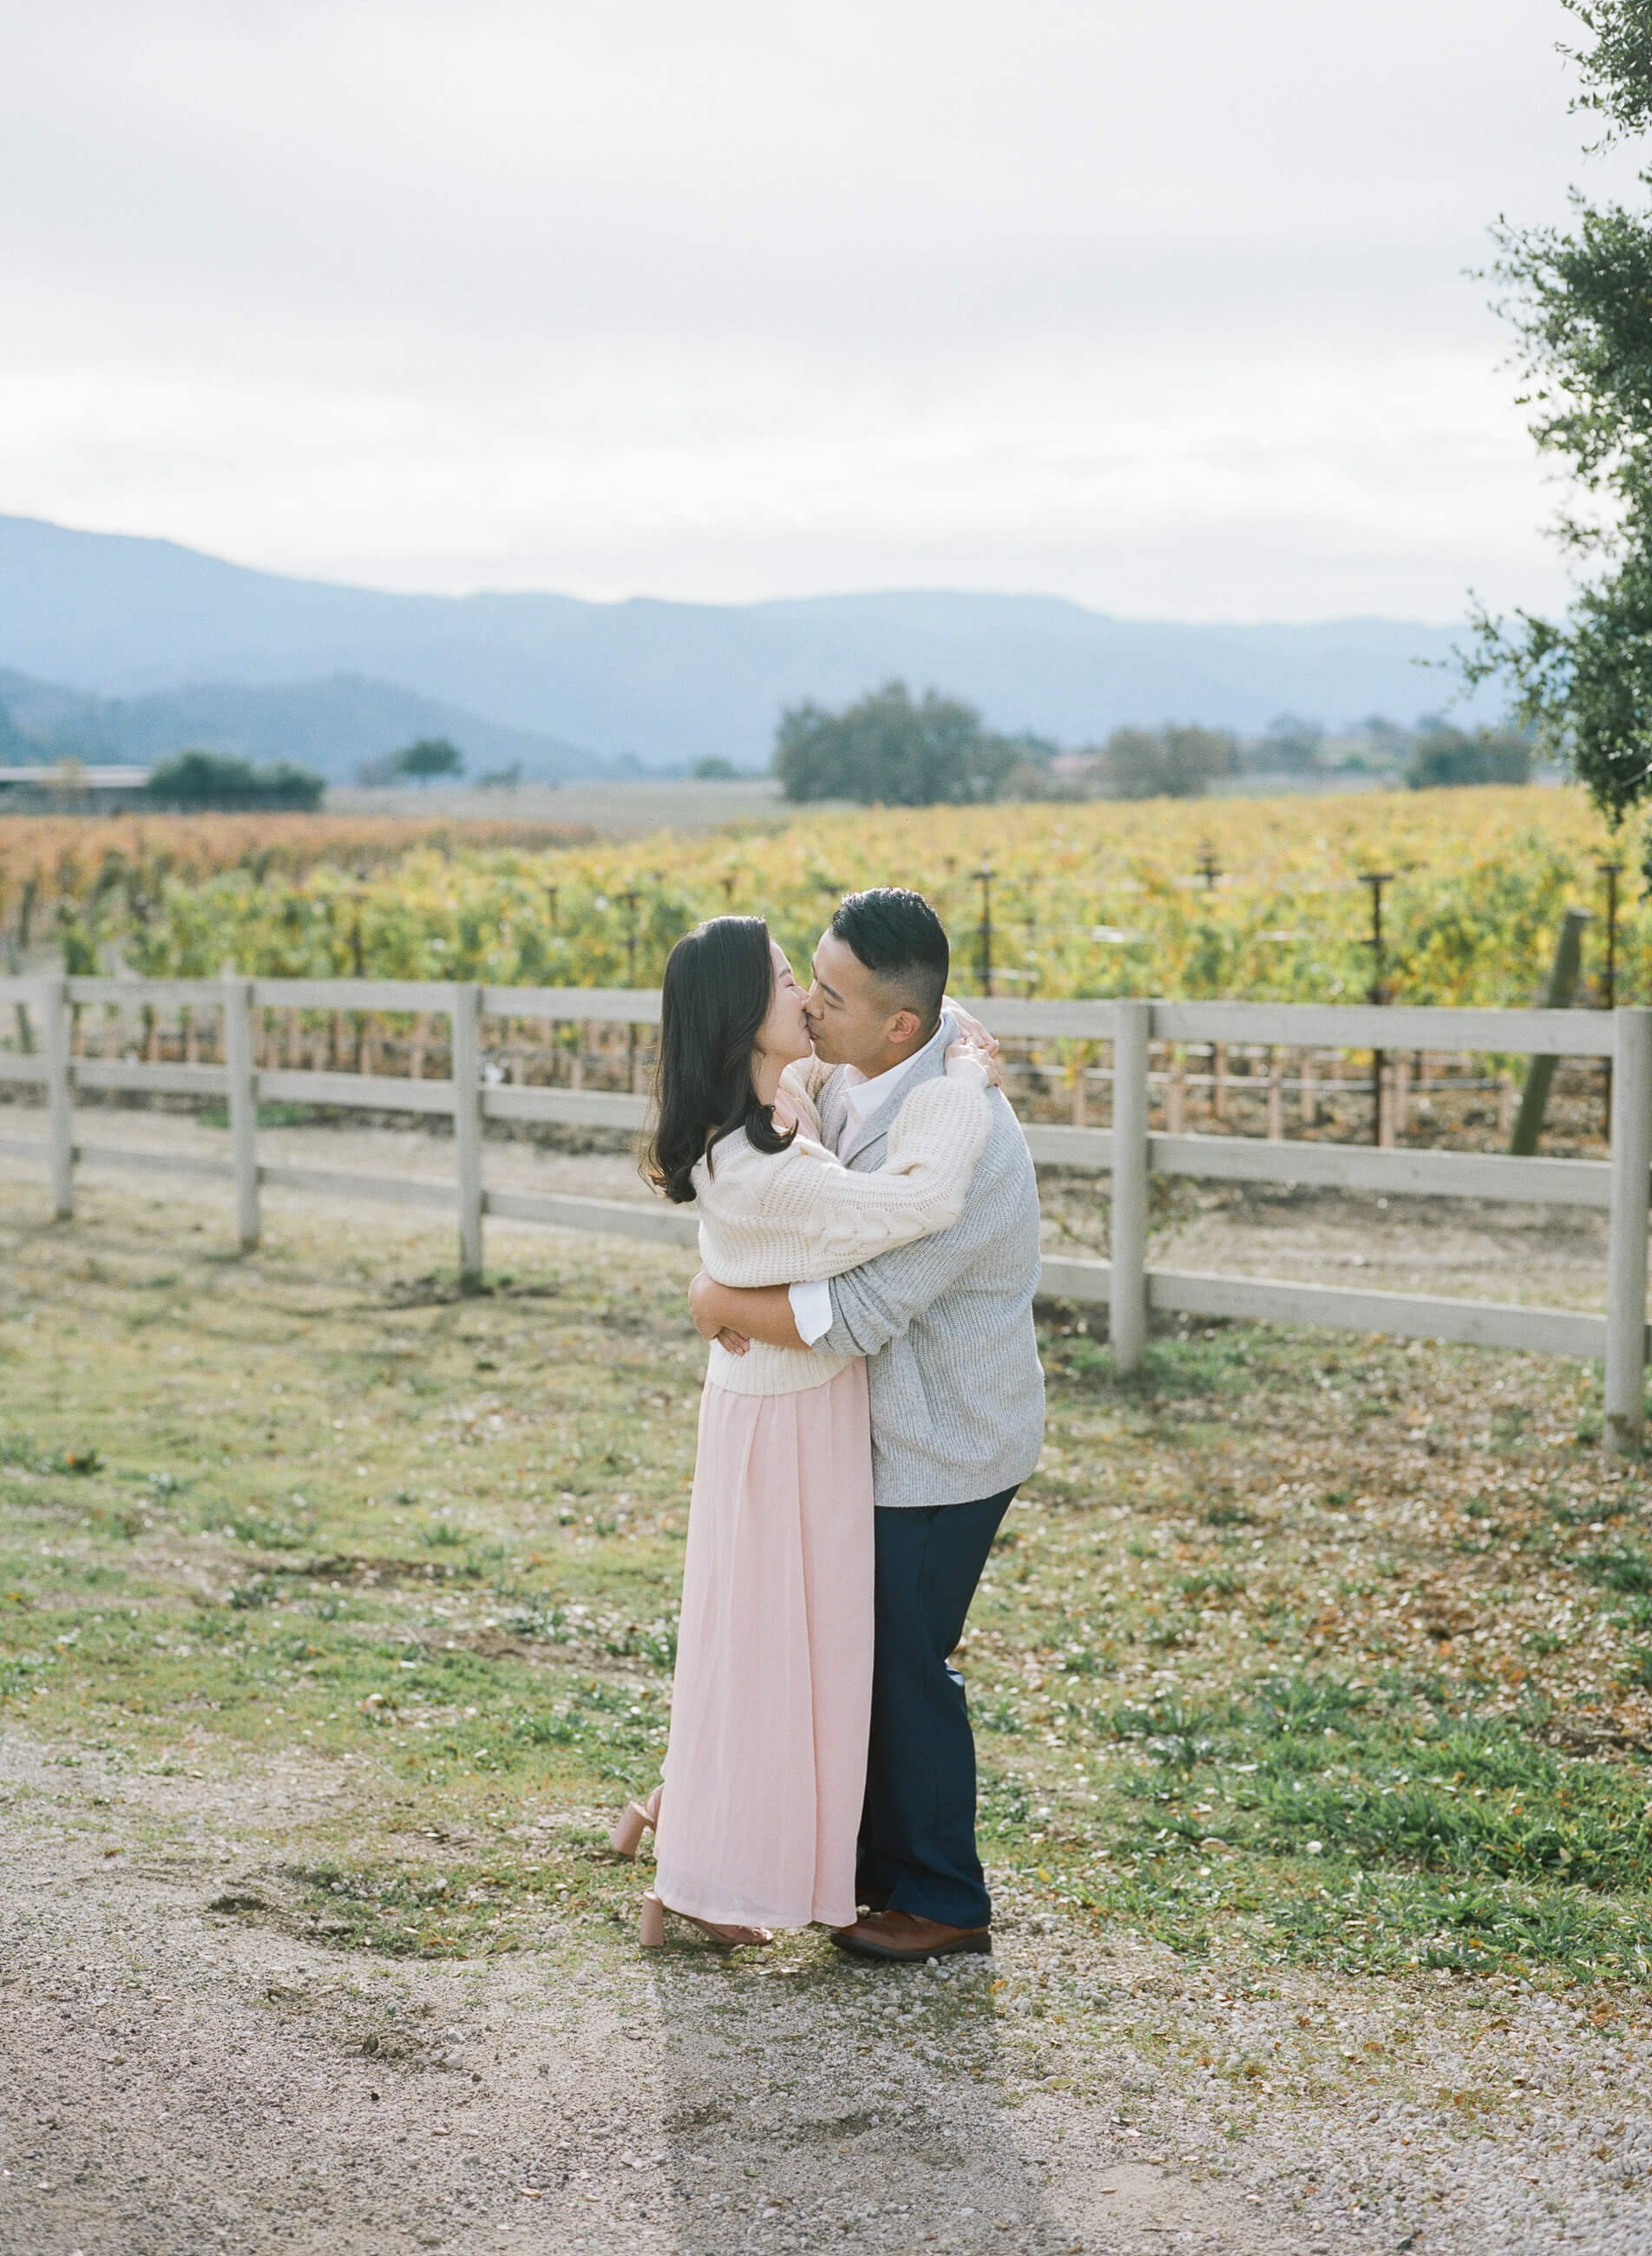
(193, 778)
(429, 756)
(1384, 746)
(892, 750)
(1178, 761)
(713, 768)
(1195, 757)
(1291, 746)
(1617, 71)
(1443, 756)
(1132, 764)
(1579, 299)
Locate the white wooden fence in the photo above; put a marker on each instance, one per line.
(1128, 1150)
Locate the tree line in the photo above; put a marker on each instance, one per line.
(895, 749)
(196, 779)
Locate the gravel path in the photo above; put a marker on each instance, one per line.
(187, 2064)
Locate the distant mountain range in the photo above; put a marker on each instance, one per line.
(331, 725)
(192, 649)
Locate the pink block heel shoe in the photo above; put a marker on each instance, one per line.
(636, 1819)
(650, 1928)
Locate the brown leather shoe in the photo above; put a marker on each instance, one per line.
(903, 1937)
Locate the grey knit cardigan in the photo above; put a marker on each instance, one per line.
(946, 1323)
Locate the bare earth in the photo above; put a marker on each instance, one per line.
(616, 806)
(185, 2068)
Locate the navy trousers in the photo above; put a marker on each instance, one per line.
(917, 1830)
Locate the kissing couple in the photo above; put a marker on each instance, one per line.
(873, 1399)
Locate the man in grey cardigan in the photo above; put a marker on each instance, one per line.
(957, 1411)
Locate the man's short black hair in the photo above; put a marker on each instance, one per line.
(900, 939)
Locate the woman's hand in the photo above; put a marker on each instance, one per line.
(970, 1026)
(706, 1323)
(984, 1054)
(699, 1307)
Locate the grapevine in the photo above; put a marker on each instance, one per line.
(1259, 899)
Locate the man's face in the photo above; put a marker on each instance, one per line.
(848, 1015)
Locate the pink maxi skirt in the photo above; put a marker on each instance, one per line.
(770, 1704)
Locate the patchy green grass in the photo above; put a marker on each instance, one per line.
(1332, 1650)
(1391, 1825)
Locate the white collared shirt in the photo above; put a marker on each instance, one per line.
(812, 1303)
(863, 1096)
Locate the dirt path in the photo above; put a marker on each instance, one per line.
(188, 2066)
(183, 2073)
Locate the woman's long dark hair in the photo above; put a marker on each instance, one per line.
(718, 986)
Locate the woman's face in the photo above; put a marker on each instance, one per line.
(784, 1035)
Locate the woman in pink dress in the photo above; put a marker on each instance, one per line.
(759, 1805)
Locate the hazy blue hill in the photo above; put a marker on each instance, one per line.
(331, 725)
(115, 611)
(666, 682)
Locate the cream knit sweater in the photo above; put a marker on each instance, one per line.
(783, 1217)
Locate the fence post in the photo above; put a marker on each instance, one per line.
(60, 1114)
(244, 1104)
(1625, 1251)
(466, 1014)
(1127, 1314)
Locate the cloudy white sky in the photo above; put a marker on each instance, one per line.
(1157, 303)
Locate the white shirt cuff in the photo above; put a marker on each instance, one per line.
(811, 1309)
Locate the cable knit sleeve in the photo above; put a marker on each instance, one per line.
(783, 1218)
(801, 1084)
(810, 1074)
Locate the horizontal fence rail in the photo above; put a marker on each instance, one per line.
(1129, 1150)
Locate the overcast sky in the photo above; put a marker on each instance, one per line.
(1160, 306)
